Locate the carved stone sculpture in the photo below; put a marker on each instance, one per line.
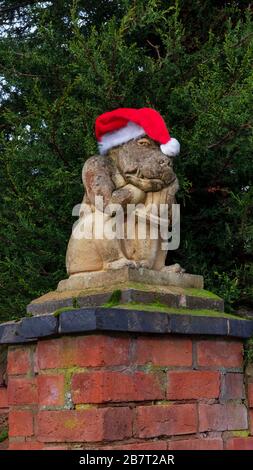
(133, 172)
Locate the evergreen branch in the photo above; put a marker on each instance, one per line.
(229, 135)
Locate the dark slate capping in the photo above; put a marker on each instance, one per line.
(38, 327)
(240, 328)
(190, 324)
(9, 334)
(121, 320)
(135, 321)
(75, 321)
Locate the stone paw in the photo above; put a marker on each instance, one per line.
(143, 264)
(121, 263)
(173, 268)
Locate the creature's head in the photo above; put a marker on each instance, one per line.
(142, 163)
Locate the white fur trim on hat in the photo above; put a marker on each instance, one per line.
(121, 136)
(172, 148)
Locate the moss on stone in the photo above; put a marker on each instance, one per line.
(64, 309)
(75, 302)
(159, 307)
(114, 299)
(201, 293)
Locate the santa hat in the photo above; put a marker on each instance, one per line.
(123, 124)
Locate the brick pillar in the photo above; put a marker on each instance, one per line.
(125, 391)
(3, 399)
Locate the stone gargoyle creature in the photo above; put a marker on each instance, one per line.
(135, 167)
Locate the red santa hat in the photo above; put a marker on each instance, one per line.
(123, 124)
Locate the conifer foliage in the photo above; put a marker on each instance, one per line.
(64, 62)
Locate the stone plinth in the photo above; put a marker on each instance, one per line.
(126, 274)
(135, 285)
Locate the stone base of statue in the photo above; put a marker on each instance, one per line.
(127, 286)
(165, 277)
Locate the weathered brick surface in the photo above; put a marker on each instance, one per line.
(186, 385)
(91, 425)
(218, 353)
(20, 423)
(3, 397)
(239, 443)
(51, 390)
(227, 417)
(165, 420)
(196, 444)
(233, 387)
(22, 391)
(19, 360)
(167, 351)
(4, 445)
(52, 447)
(102, 387)
(27, 445)
(147, 445)
(83, 351)
(251, 421)
(109, 391)
(250, 394)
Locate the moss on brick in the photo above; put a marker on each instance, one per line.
(3, 434)
(240, 433)
(84, 407)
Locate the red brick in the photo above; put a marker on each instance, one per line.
(196, 444)
(219, 353)
(251, 421)
(187, 385)
(91, 425)
(3, 419)
(104, 386)
(227, 417)
(232, 387)
(19, 360)
(3, 397)
(239, 443)
(51, 390)
(165, 420)
(22, 391)
(55, 447)
(250, 395)
(20, 423)
(27, 445)
(83, 351)
(4, 445)
(163, 351)
(147, 445)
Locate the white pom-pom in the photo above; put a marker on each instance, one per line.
(172, 148)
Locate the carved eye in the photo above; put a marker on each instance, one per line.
(143, 142)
